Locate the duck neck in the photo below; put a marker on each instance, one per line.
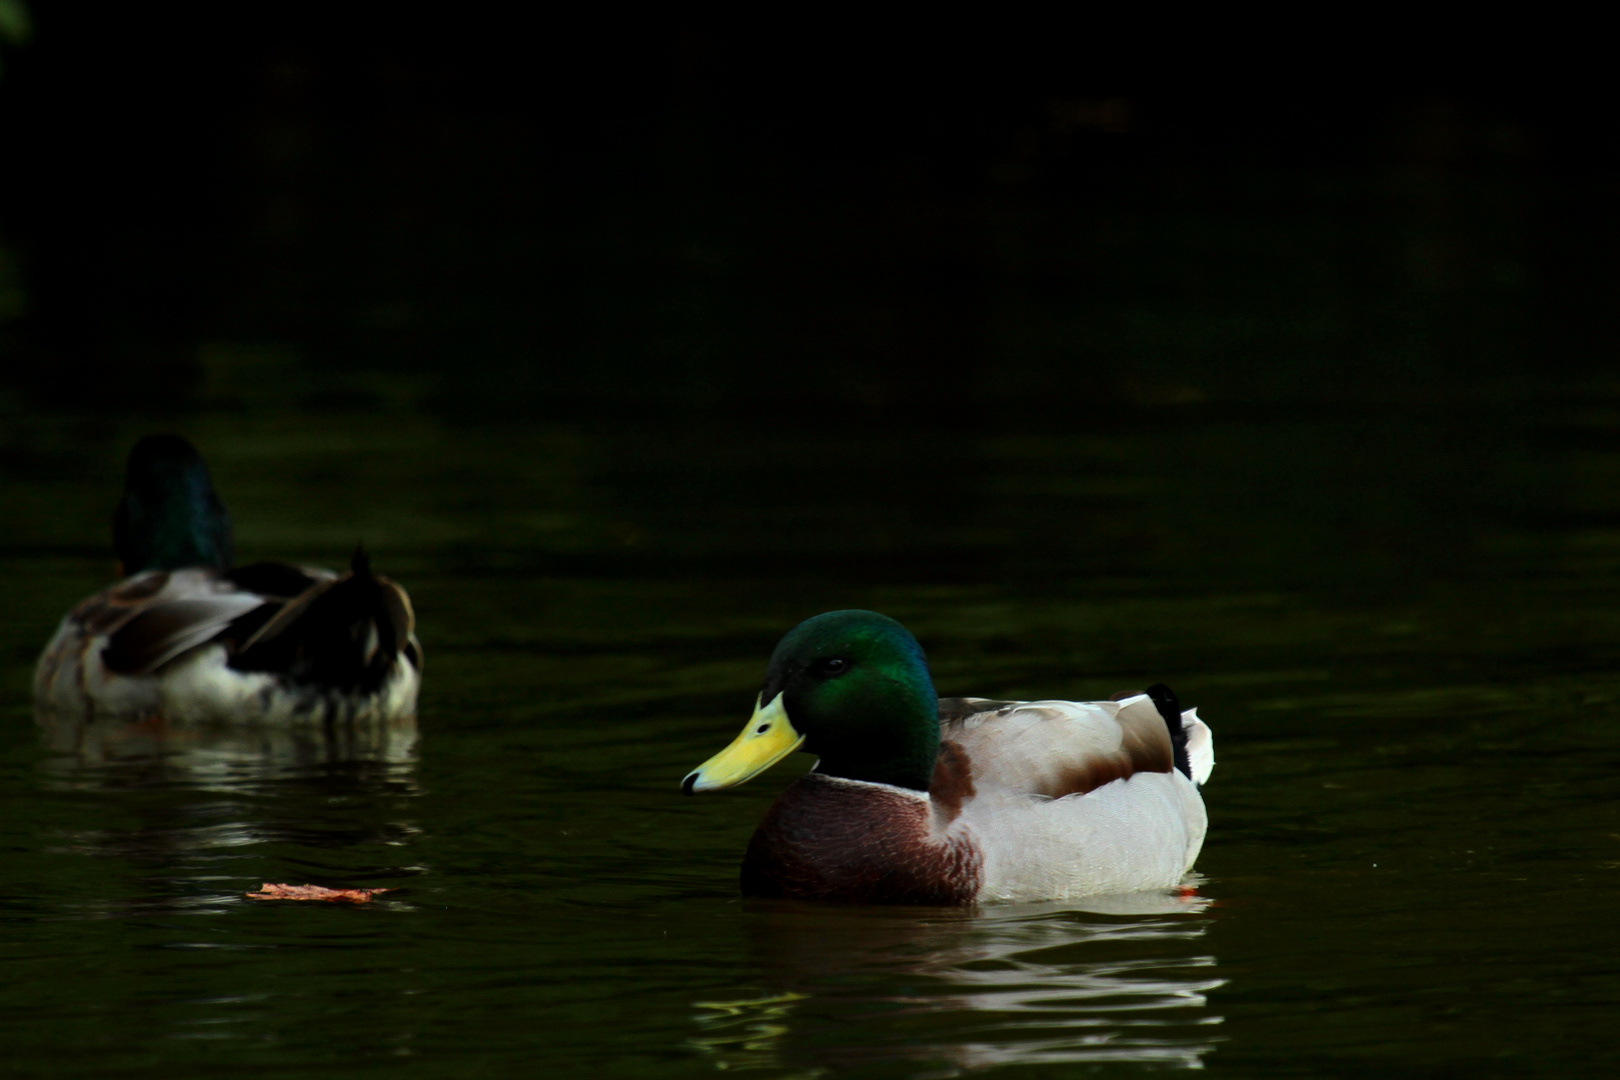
(176, 524)
(901, 749)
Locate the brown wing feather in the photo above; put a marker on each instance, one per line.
(1055, 748)
(106, 611)
(164, 630)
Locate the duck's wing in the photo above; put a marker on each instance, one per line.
(154, 617)
(188, 608)
(72, 677)
(1054, 748)
(111, 608)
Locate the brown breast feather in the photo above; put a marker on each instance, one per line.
(952, 783)
(826, 839)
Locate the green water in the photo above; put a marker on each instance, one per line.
(1402, 626)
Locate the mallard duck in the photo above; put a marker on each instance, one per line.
(922, 800)
(188, 636)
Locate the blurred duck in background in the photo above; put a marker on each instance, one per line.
(188, 637)
(926, 800)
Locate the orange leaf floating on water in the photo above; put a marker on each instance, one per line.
(268, 891)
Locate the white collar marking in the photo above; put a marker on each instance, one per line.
(912, 792)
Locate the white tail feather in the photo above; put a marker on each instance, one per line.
(1200, 746)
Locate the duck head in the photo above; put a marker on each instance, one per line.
(850, 686)
(169, 517)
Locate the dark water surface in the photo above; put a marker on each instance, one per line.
(1402, 625)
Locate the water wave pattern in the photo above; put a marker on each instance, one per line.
(1052, 988)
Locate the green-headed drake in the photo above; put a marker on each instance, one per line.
(189, 636)
(922, 800)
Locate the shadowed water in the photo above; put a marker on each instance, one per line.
(1401, 625)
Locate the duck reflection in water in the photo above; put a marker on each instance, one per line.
(108, 753)
(196, 816)
(1111, 979)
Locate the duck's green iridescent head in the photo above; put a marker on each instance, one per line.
(169, 517)
(850, 686)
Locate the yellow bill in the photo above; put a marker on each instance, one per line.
(768, 738)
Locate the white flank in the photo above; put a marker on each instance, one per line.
(1132, 835)
(1126, 836)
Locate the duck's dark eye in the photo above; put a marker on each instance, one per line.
(833, 665)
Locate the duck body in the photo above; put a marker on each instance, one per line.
(202, 644)
(1040, 800)
(190, 638)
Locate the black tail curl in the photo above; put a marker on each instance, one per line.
(343, 635)
(1164, 699)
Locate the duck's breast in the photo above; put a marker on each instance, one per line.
(827, 838)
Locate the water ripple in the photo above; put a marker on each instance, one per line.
(1123, 980)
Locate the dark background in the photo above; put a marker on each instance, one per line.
(485, 213)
